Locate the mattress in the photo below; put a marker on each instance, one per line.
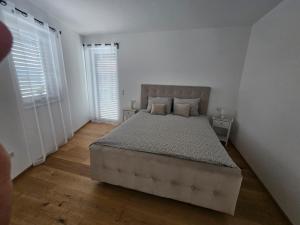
(170, 135)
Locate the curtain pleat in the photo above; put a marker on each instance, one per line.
(38, 74)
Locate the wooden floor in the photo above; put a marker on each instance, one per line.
(61, 192)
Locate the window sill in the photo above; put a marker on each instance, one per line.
(40, 103)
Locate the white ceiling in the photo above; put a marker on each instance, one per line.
(117, 16)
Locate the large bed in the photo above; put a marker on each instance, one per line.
(168, 155)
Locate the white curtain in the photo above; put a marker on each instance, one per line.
(38, 74)
(101, 64)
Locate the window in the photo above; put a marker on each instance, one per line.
(26, 53)
(104, 82)
(107, 88)
(34, 66)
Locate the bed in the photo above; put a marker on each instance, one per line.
(169, 156)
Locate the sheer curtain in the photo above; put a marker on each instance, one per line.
(38, 75)
(103, 83)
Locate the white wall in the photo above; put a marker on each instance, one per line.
(206, 57)
(10, 126)
(74, 63)
(269, 105)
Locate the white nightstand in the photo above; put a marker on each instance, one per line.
(127, 113)
(222, 127)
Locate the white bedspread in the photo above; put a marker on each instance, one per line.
(188, 138)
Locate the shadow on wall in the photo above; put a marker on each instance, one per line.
(234, 131)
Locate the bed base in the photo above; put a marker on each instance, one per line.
(206, 185)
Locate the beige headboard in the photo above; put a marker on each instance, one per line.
(154, 90)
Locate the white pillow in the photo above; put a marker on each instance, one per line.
(160, 100)
(193, 102)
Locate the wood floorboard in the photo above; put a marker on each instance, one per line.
(60, 192)
(69, 166)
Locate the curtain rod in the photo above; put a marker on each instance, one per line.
(106, 44)
(25, 14)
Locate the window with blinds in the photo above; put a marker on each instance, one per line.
(106, 85)
(34, 67)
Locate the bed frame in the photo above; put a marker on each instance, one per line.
(154, 90)
(202, 184)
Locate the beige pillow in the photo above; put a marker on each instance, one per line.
(158, 109)
(160, 100)
(182, 109)
(193, 102)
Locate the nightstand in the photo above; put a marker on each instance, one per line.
(222, 127)
(128, 112)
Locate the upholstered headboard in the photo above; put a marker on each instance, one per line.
(154, 90)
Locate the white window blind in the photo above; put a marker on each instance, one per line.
(106, 84)
(34, 66)
(28, 63)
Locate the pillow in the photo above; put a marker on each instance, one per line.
(158, 109)
(182, 109)
(160, 100)
(193, 102)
